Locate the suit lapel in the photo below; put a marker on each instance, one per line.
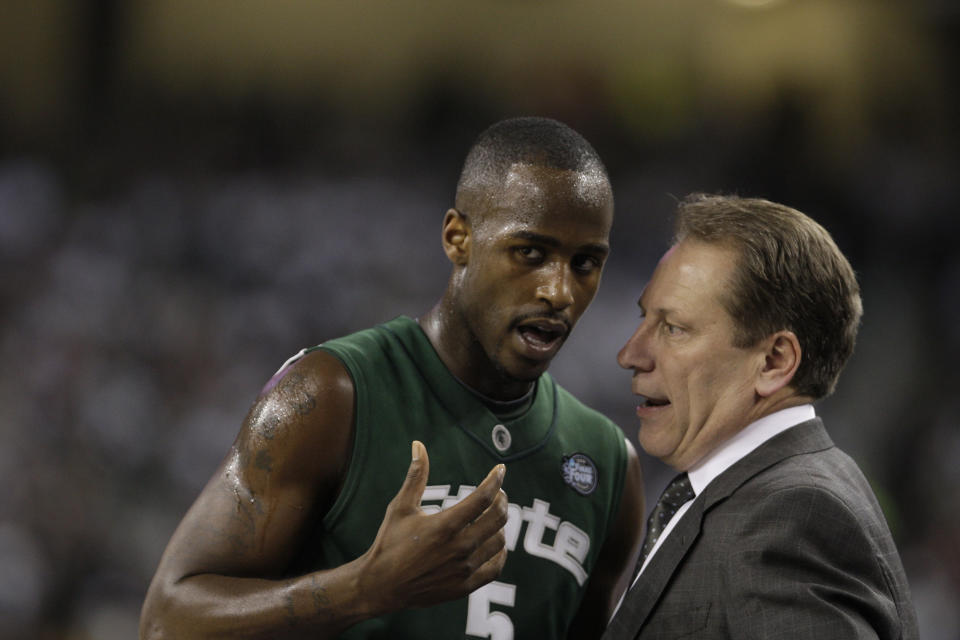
(646, 592)
(639, 602)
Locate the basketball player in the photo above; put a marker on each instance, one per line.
(523, 520)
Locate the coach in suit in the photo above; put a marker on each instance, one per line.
(770, 531)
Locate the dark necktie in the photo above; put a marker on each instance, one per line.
(673, 497)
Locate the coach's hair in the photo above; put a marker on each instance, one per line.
(790, 275)
(529, 140)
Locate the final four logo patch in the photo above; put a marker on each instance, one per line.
(580, 473)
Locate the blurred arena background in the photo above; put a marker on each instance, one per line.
(190, 192)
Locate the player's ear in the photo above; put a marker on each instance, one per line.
(782, 354)
(456, 236)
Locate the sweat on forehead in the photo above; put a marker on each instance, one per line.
(535, 194)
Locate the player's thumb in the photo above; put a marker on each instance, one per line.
(416, 481)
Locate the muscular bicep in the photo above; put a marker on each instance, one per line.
(282, 472)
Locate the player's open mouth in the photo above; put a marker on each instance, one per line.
(542, 336)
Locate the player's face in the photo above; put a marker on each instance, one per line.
(534, 265)
(697, 388)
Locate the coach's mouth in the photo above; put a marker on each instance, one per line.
(649, 401)
(651, 406)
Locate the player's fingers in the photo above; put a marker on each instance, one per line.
(490, 547)
(488, 571)
(492, 520)
(411, 491)
(470, 508)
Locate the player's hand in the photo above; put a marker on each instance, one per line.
(418, 559)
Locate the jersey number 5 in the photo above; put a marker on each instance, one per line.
(484, 623)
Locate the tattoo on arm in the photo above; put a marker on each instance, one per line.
(291, 613)
(270, 424)
(240, 533)
(321, 601)
(263, 461)
(301, 400)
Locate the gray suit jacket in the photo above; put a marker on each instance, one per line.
(787, 543)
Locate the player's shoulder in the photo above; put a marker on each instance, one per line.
(309, 398)
(312, 370)
(299, 431)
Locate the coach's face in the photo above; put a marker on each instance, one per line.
(697, 388)
(529, 263)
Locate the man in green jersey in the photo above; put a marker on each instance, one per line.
(302, 532)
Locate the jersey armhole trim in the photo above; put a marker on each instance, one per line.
(358, 451)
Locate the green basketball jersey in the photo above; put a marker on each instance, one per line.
(565, 468)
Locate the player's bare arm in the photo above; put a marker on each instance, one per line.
(220, 575)
(617, 559)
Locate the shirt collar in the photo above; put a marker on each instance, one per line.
(745, 441)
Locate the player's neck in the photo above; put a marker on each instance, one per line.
(465, 358)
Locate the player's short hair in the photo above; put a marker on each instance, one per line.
(524, 140)
(790, 275)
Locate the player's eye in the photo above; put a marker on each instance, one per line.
(530, 254)
(586, 264)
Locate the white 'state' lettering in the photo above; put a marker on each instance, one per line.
(570, 544)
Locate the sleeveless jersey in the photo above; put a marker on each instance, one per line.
(565, 469)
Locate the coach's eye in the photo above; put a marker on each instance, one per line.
(671, 329)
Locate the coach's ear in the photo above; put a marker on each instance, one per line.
(782, 354)
(456, 237)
